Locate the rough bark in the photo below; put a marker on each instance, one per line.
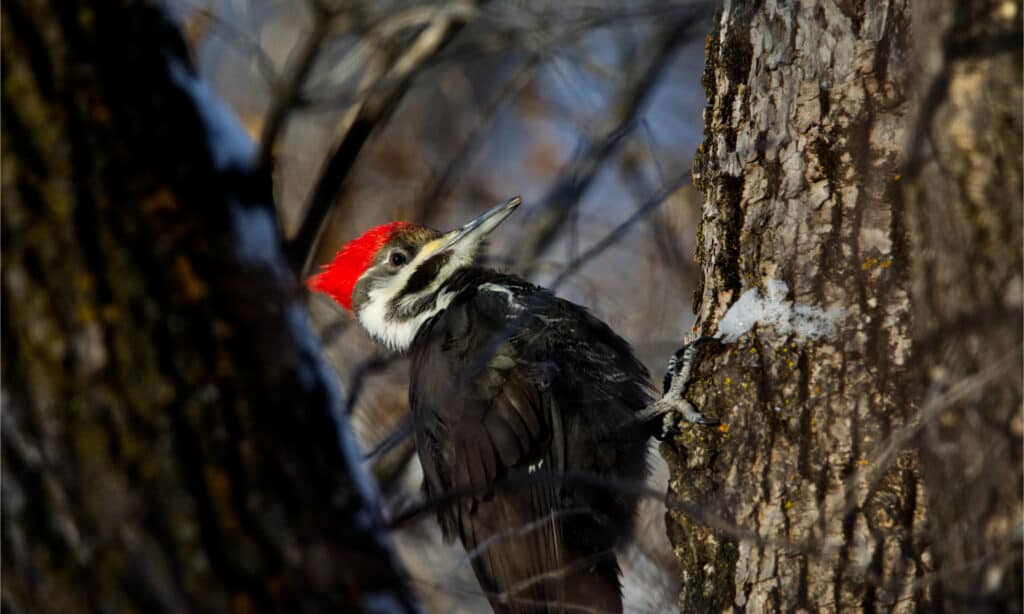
(171, 441)
(818, 473)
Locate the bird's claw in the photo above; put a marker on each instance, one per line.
(674, 406)
(675, 412)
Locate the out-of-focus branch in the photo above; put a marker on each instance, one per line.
(666, 238)
(442, 184)
(373, 111)
(515, 34)
(619, 231)
(290, 89)
(203, 22)
(556, 207)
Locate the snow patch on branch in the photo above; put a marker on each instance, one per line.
(382, 603)
(256, 236)
(231, 149)
(314, 371)
(258, 244)
(788, 318)
(230, 146)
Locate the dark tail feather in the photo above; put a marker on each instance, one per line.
(519, 551)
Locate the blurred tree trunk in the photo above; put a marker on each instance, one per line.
(171, 439)
(963, 214)
(878, 468)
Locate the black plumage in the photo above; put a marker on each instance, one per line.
(509, 381)
(516, 396)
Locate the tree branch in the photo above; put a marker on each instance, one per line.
(556, 207)
(372, 112)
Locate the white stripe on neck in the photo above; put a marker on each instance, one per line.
(398, 334)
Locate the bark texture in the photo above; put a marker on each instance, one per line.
(817, 477)
(171, 441)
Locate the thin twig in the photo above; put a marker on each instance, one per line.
(404, 429)
(376, 109)
(523, 530)
(934, 406)
(291, 88)
(577, 178)
(441, 186)
(374, 364)
(634, 488)
(617, 233)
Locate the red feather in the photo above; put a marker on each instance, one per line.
(338, 278)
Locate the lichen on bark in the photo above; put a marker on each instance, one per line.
(869, 156)
(803, 148)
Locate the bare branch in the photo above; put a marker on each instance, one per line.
(565, 195)
(374, 110)
(617, 233)
(534, 35)
(441, 186)
(291, 88)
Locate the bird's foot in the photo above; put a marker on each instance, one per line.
(673, 412)
(687, 411)
(674, 407)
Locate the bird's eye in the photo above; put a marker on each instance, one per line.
(397, 258)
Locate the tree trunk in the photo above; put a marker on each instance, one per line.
(828, 483)
(171, 438)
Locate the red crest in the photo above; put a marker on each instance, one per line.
(338, 278)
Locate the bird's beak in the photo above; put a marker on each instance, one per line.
(469, 237)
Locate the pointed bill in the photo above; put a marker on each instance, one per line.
(472, 233)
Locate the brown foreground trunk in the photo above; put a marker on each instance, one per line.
(877, 468)
(171, 440)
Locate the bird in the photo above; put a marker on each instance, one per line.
(512, 391)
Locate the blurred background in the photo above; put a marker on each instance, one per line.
(590, 110)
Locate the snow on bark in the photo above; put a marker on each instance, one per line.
(229, 144)
(256, 237)
(787, 318)
(258, 244)
(221, 472)
(315, 371)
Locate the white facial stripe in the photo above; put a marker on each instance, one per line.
(398, 334)
(398, 331)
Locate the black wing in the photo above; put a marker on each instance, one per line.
(484, 394)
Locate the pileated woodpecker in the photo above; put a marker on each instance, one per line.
(507, 380)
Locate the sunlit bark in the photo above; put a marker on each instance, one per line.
(852, 470)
